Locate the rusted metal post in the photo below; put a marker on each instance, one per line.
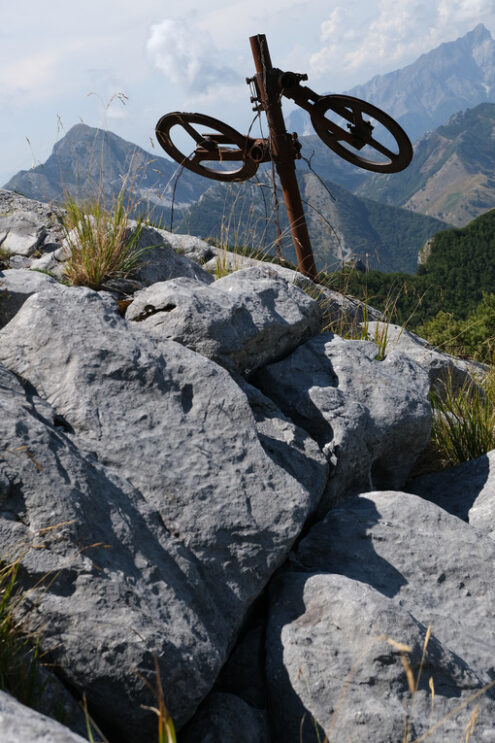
(282, 151)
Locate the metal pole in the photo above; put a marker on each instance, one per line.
(282, 153)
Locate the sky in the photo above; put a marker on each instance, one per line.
(122, 64)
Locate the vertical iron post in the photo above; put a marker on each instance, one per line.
(282, 151)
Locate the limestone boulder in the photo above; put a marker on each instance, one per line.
(20, 234)
(441, 367)
(27, 225)
(52, 261)
(161, 262)
(242, 321)
(341, 314)
(371, 418)
(16, 285)
(356, 600)
(163, 503)
(20, 724)
(428, 561)
(466, 491)
(335, 654)
(192, 247)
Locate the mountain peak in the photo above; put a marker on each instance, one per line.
(85, 154)
(478, 34)
(452, 77)
(423, 95)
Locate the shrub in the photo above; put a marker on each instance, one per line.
(473, 337)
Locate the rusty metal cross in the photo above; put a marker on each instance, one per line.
(351, 136)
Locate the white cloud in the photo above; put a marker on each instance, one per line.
(187, 57)
(28, 77)
(398, 33)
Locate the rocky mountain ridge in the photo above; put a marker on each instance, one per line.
(88, 161)
(452, 175)
(342, 226)
(423, 95)
(214, 485)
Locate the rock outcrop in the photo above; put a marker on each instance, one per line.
(181, 482)
(20, 724)
(442, 368)
(466, 491)
(242, 321)
(371, 418)
(375, 573)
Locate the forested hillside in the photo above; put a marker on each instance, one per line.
(451, 300)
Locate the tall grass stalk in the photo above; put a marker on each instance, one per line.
(166, 729)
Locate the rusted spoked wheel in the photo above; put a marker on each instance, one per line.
(359, 133)
(221, 144)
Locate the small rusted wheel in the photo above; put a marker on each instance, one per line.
(359, 133)
(221, 145)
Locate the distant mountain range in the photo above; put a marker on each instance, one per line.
(457, 75)
(342, 226)
(381, 235)
(452, 175)
(383, 220)
(87, 159)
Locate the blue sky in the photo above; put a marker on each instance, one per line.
(62, 62)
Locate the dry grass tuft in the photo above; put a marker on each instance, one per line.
(99, 243)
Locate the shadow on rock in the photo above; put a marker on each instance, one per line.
(342, 544)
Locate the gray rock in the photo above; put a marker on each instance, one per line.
(200, 514)
(31, 232)
(371, 418)
(227, 718)
(334, 665)
(466, 491)
(16, 286)
(193, 247)
(341, 314)
(427, 561)
(26, 225)
(226, 261)
(20, 724)
(16, 261)
(242, 321)
(110, 577)
(441, 367)
(288, 445)
(20, 235)
(53, 261)
(161, 262)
